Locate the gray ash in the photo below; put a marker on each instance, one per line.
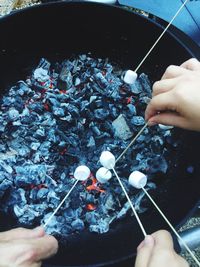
(64, 115)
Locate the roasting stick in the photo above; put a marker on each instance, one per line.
(140, 64)
(59, 206)
(156, 42)
(107, 160)
(81, 173)
(132, 142)
(138, 180)
(131, 204)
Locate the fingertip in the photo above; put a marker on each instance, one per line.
(39, 231)
(149, 240)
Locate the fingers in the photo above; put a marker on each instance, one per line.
(22, 233)
(144, 252)
(191, 64)
(169, 118)
(27, 252)
(164, 86)
(161, 102)
(163, 239)
(174, 71)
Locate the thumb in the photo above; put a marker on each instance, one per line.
(144, 252)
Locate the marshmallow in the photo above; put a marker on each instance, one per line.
(107, 160)
(103, 175)
(82, 173)
(137, 179)
(130, 77)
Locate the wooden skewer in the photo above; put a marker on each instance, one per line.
(132, 142)
(59, 206)
(130, 202)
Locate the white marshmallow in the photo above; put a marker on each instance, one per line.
(137, 179)
(103, 175)
(130, 77)
(82, 173)
(107, 160)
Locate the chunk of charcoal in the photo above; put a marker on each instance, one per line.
(92, 98)
(131, 110)
(146, 85)
(58, 112)
(35, 146)
(136, 88)
(40, 132)
(37, 107)
(6, 167)
(137, 121)
(101, 228)
(91, 142)
(121, 128)
(45, 64)
(101, 114)
(65, 79)
(42, 193)
(113, 111)
(13, 114)
(96, 130)
(78, 225)
(41, 75)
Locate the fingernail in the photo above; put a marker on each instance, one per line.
(152, 123)
(148, 240)
(141, 245)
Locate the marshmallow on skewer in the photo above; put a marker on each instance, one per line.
(130, 77)
(107, 160)
(137, 179)
(103, 175)
(82, 173)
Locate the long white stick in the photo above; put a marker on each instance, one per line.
(132, 142)
(171, 226)
(56, 210)
(131, 204)
(156, 42)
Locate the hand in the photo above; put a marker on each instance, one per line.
(176, 97)
(25, 248)
(157, 251)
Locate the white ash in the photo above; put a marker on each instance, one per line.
(62, 117)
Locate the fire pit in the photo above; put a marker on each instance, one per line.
(60, 113)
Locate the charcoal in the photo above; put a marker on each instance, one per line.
(65, 78)
(62, 116)
(131, 110)
(13, 114)
(137, 121)
(41, 75)
(101, 114)
(78, 225)
(121, 128)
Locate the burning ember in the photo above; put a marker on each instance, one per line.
(63, 116)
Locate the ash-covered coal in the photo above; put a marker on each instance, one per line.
(63, 116)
